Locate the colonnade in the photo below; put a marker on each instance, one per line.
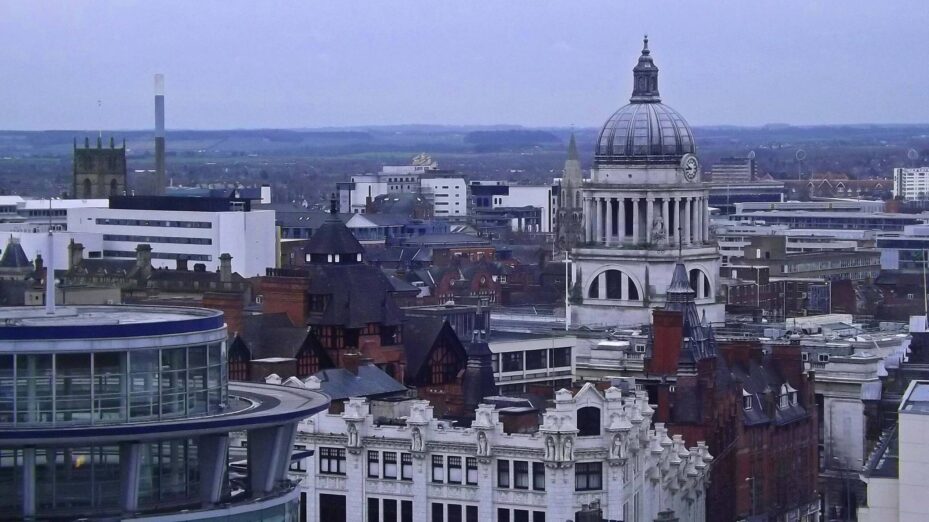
(632, 219)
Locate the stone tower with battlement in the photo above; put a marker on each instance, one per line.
(99, 172)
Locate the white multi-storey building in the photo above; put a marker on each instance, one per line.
(911, 182)
(896, 473)
(449, 194)
(592, 449)
(196, 229)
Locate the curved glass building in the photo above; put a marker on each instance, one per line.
(124, 412)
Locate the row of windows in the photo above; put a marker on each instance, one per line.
(453, 513)
(158, 255)
(519, 515)
(384, 465)
(453, 469)
(533, 359)
(386, 510)
(154, 223)
(159, 239)
(448, 469)
(518, 470)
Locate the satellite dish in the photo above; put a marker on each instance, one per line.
(751, 154)
(801, 155)
(912, 155)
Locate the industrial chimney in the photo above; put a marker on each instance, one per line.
(159, 134)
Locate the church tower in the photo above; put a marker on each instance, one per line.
(644, 211)
(570, 217)
(99, 172)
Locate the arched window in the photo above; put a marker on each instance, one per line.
(588, 421)
(616, 284)
(700, 283)
(87, 188)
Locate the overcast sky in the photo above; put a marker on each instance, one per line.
(232, 64)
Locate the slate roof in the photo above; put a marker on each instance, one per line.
(699, 339)
(14, 256)
(359, 294)
(371, 381)
(419, 336)
(272, 335)
(333, 237)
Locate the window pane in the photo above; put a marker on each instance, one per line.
(503, 473)
(438, 512)
(374, 514)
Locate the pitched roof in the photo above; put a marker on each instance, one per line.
(419, 336)
(14, 256)
(699, 338)
(359, 295)
(333, 237)
(371, 381)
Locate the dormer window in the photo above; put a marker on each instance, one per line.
(788, 396)
(746, 400)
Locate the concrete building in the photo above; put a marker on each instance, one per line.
(536, 363)
(733, 170)
(830, 219)
(896, 471)
(442, 188)
(905, 250)
(645, 210)
(125, 412)
(196, 229)
(496, 195)
(448, 194)
(734, 237)
(771, 251)
(724, 196)
(911, 183)
(396, 461)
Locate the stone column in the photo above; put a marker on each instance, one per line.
(665, 218)
(698, 212)
(588, 220)
(485, 486)
(706, 219)
(609, 221)
(356, 469)
(621, 219)
(601, 285)
(635, 221)
(686, 214)
(601, 219)
(649, 218)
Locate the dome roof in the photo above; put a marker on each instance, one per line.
(645, 131)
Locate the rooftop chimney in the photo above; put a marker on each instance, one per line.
(225, 268)
(351, 361)
(75, 254)
(143, 259)
(182, 263)
(159, 134)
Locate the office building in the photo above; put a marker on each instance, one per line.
(125, 412)
(911, 183)
(733, 170)
(198, 230)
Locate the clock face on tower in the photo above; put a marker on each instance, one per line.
(691, 166)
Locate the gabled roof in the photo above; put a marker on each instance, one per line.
(420, 334)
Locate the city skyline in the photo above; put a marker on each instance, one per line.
(416, 63)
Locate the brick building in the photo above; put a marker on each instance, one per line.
(755, 410)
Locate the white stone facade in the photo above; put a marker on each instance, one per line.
(639, 221)
(420, 467)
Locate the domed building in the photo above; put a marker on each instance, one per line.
(645, 209)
